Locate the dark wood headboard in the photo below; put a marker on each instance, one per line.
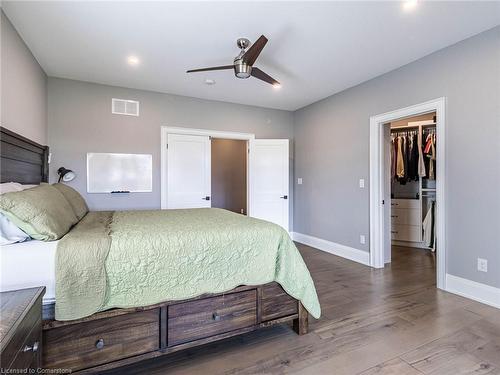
(22, 160)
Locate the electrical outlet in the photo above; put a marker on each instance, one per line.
(361, 183)
(299, 181)
(362, 239)
(482, 265)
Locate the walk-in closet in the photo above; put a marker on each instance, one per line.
(412, 149)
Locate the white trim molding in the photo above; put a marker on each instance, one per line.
(343, 251)
(483, 293)
(377, 183)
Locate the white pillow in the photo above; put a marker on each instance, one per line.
(8, 187)
(9, 232)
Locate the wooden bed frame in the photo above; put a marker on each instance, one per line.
(120, 337)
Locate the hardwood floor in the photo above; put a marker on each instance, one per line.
(388, 321)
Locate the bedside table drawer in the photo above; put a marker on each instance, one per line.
(31, 324)
(28, 357)
(21, 335)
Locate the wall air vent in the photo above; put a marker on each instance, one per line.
(125, 107)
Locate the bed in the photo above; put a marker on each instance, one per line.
(109, 333)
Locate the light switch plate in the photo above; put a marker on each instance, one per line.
(361, 183)
(362, 239)
(299, 181)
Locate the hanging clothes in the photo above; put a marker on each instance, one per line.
(413, 158)
(400, 167)
(421, 164)
(404, 156)
(429, 224)
(430, 155)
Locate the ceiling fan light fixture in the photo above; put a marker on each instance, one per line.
(242, 70)
(276, 86)
(243, 75)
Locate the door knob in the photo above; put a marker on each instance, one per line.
(207, 198)
(284, 197)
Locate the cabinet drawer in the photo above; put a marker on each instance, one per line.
(405, 203)
(406, 233)
(198, 319)
(28, 356)
(89, 344)
(23, 336)
(276, 303)
(406, 216)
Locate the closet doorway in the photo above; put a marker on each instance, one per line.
(410, 171)
(229, 174)
(407, 185)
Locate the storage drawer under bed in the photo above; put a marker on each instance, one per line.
(276, 303)
(194, 320)
(88, 344)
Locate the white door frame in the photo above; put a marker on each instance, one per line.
(377, 182)
(165, 130)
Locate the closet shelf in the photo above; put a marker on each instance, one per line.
(412, 126)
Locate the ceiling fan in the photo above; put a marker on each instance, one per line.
(243, 63)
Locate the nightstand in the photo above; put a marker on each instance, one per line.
(21, 329)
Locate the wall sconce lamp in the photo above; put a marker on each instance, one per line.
(66, 174)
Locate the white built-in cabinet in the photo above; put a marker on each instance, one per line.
(406, 220)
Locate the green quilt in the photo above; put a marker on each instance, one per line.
(139, 258)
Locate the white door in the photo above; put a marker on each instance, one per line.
(188, 171)
(269, 196)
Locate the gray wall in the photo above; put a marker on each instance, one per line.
(23, 88)
(332, 152)
(80, 121)
(229, 174)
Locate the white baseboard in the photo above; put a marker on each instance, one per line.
(343, 251)
(483, 293)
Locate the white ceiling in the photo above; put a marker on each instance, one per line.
(315, 49)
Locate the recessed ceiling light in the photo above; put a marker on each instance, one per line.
(210, 82)
(133, 60)
(409, 5)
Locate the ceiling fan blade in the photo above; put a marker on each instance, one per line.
(257, 73)
(224, 67)
(254, 51)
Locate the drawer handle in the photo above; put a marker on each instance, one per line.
(394, 216)
(99, 344)
(394, 231)
(33, 348)
(394, 204)
(216, 317)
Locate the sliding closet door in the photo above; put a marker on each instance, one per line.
(188, 171)
(269, 197)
